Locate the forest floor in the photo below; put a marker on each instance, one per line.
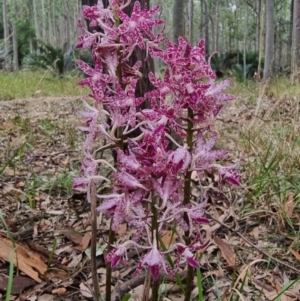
(254, 250)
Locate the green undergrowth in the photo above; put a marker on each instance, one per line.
(269, 144)
(40, 83)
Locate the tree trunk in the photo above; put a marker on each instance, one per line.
(50, 29)
(245, 44)
(296, 40)
(5, 33)
(270, 36)
(290, 43)
(67, 44)
(43, 15)
(15, 37)
(261, 33)
(206, 26)
(191, 20)
(216, 46)
(36, 23)
(178, 19)
(258, 6)
(5, 26)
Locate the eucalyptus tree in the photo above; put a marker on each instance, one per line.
(269, 40)
(178, 19)
(191, 20)
(15, 36)
(5, 25)
(5, 31)
(295, 64)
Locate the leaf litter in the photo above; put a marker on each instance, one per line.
(48, 224)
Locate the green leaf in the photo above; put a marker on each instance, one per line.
(126, 297)
(99, 252)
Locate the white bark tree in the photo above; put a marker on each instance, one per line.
(269, 41)
(15, 36)
(295, 64)
(178, 19)
(5, 26)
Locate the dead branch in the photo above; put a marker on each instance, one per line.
(256, 248)
(122, 288)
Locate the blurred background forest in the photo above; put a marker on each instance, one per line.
(253, 38)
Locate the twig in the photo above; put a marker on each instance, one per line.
(256, 248)
(122, 288)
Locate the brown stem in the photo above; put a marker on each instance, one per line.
(96, 294)
(111, 239)
(155, 283)
(187, 198)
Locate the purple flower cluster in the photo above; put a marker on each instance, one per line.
(147, 170)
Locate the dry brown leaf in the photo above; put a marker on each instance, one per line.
(85, 291)
(85, 241)
(218, 273)
(20, 184)
(226, 251)
(76, 259)
(168, 239)
(73, 236)
(19, 284)
(269, 292)
(295, 253)
(61, 291)
(46, 297)
(122, 229)
(10, 172)
(289, 206)
(29, 262)
(16, 142)
(255, 232)
(246, 269)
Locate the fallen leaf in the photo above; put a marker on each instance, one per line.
(75, 261)
(72, 235)
(61, 291)
(29, 262)
(18, 286)
(85, 291)
(20, 184)
(16, 142)
(226, 251)
(122, 229)
(295, 253)
(218, 273)
(244, 271)
(46, 297)
(85, 241)
(255, 233)
(269, 292)
(289, 206)
(81, 242)
(169, 239)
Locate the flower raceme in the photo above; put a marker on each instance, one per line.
(147, 172)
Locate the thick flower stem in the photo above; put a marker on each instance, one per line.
(95, 279)
(111, 238)
(156, 283)
(187, 198)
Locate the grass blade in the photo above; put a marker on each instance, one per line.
(11, 274)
